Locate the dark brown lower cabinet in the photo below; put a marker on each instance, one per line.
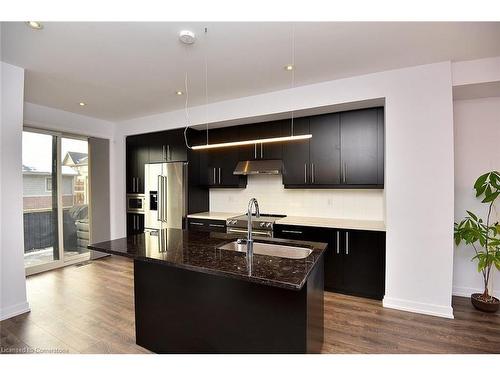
(135, 223)
(354, 261)
(207, 225)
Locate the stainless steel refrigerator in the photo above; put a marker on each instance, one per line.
(166, 195)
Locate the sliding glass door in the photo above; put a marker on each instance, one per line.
(55, 200)
(40, 199)
(75, 196)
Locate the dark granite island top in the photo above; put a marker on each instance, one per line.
(198, 251)
(192, 297)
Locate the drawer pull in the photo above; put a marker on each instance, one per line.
(216, 225)
(194, 223)
(292, 231)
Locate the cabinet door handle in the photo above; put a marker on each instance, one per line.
(169, 154)
(219, 177)
(195, 223)
(255, 151)
(292, 231)
(216, 225)
(138, 180)
(312, 173)
(261, 151)
(346, 243)
(215, 181)
(305, 173)
(344, 172)
(163, 156)
(134, 222)
(338, 242)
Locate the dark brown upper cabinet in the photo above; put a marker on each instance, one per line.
(167, 146)
(261, 151)
(324, 150)
(346, 150)
(296, 156)
(137, 155)
(361, 138)
(314, 162)
(218, 164)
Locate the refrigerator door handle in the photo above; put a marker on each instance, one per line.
(159, 202)
(164, 198)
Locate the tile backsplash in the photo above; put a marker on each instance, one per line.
(365, 204)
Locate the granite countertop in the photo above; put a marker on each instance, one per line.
(198, 251)
(375, 225)
(213, 215)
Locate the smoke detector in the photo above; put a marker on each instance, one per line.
(187, 37)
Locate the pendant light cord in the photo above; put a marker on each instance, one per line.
(293, 74)
(186, 112)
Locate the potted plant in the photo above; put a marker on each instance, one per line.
(484, 238)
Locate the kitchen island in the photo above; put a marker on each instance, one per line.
(193, 297)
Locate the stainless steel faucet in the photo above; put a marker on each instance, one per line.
(253, 202)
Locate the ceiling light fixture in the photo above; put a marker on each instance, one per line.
(36, 25)
(253, 141)
(82, 104)
(179, 93)
(187, 37)
(289, 67)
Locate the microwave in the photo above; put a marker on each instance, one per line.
(136, 203)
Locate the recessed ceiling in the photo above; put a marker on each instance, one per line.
(124, 70)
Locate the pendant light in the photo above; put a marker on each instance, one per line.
(292, 137)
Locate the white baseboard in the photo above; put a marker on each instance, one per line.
(11, 311)
(462, 291)
(418, 307)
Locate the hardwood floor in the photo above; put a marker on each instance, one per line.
(90, 309)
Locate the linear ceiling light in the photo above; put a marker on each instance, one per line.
(254, 141)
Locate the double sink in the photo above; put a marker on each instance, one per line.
(262, 248)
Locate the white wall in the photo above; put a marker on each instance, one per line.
(419, 164)
(273, 198)
(13, 285)
(477, 150)
(43, 117)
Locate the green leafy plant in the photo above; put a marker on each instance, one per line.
(483, 236)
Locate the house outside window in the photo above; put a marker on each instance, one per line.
(48, 184)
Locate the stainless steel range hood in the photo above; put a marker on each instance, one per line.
(259, 167)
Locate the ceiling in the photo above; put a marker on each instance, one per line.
(123, 70)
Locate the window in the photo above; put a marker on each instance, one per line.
(48, 184)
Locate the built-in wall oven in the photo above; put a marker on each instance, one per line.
(136, 203)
